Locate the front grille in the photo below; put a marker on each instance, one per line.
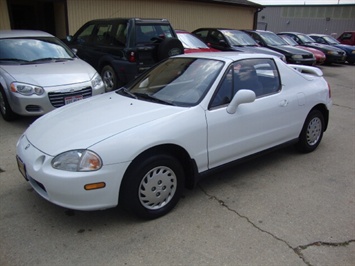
(307, 56)
(57, 99)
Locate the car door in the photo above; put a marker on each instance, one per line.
(254, 126)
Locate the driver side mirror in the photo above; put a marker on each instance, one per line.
(69, 38)
(242, 96)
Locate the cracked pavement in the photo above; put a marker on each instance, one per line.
(284, 208)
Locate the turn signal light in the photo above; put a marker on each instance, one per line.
(95, 186)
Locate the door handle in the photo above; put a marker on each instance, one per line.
(284, 103)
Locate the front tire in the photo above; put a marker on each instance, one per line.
(312, 132)
(152, 187)
(5, 108)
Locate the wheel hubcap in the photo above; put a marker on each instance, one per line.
(108, 80)
(157, 188)
(314, 131)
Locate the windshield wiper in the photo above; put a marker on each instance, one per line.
(46, 59)
(151, 98)
(124, 90)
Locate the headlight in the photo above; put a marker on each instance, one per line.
(332, 52)
(26, 89)
(353, 52)
(97, 82)
(297, 56)
(77, 161)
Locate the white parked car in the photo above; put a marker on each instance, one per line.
(39, 73)
(141, 145)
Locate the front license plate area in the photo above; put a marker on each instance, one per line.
(21, 167)
(71, 99)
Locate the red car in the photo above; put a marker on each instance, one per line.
(192, 44)
(347, 37)
(319, 55)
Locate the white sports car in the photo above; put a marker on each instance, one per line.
(141, 145)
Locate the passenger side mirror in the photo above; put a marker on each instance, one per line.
(69, 38)
(242, 96)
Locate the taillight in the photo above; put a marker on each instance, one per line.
(132, 57)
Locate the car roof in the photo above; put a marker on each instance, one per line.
(145, 20)
(317, 34)
(226, 56)
(182, 31)
(23, 33)
(220, 29)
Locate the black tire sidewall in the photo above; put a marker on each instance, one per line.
(132, 180)
(302, 144)
(9, 115)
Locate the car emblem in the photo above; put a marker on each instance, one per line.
(27, 146)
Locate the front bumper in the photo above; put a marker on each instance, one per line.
(335, 58)
(53, 98)
(65, 188)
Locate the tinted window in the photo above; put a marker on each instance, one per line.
(258, 75)
(85, 34)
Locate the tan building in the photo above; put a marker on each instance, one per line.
(63, 17)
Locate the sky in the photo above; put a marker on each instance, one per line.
(302, 2)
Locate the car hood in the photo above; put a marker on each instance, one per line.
(84, 123)
(322, 46)
(312, 50)
(51, 74)
(256, 49)
(288, 49)
(345, 47)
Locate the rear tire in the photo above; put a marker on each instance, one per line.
(110, 78)
(5, 108)
(152, 186)
(312, 132)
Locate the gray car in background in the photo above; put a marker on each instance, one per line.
(39, 73)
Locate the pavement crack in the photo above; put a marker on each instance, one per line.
(343, 106)
(326, 244)
(297, 250)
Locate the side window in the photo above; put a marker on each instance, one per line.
(103, 34)
(259, 75)
(257, 38)
(225, 90)
(346, 36)
(202, 34)
(85, 34)
(121, 34)
(216, 37)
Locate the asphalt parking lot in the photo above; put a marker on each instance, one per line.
(285, 208)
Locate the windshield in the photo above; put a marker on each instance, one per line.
(176, 81)
(305, 38)
(273, 39)
(288, 40)
(331, 40)
(239, 38)
(189, 41)
(27, 50)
